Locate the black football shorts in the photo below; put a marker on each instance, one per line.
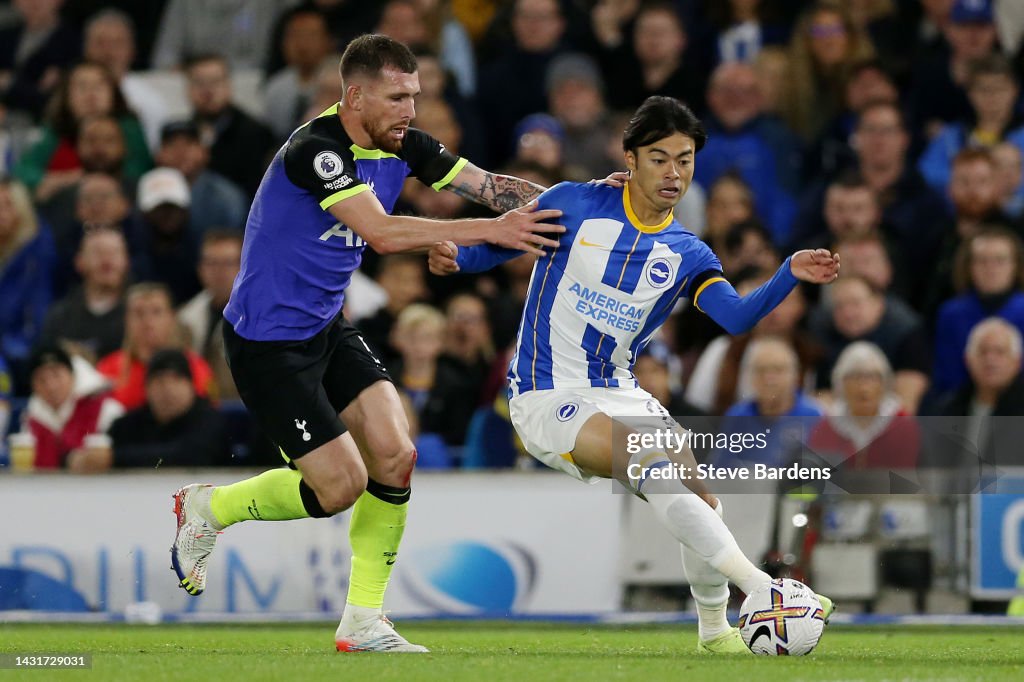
(295, 389)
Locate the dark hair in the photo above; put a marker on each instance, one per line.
(168, 361)
(850, 179)
(89, 230)
(738, 232)
(870, 64)
(520, 167)
(397, 260)
(989, 65)
(720, 14)
(304, 10)
(972, 154)
(962, 260)
(194, 60)
(883, 104)
(657, 118)
(870, 237)
(750, 273)
(664, 6)
(369, 54)
(59, 114)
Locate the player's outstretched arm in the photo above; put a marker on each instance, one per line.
(446, 258)
(498, 192)
(521, 229)
(736, 314)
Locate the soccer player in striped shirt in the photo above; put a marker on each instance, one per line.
(594, 302)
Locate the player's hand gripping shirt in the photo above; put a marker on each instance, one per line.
(596, 299)
(297, 259)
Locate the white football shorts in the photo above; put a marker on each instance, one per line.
(548, 421)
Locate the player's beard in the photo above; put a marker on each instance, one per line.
(381, 138)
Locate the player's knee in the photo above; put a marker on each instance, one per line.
(395, 465)
(342, 492)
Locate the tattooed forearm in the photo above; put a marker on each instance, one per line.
(500, 193)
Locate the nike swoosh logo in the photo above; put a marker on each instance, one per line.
(584, 242)
(391, 562)
(763, 631)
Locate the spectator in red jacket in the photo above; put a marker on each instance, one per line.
(67, 405)
(867, 428)
(150, 325)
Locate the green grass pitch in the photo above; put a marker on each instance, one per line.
(495, 651)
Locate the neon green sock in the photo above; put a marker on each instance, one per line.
(271, 496)
(375, 531)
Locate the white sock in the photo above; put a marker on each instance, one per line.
(694, 524)
(356, 618)
(710, 590)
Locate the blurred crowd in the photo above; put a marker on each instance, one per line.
(134, 135)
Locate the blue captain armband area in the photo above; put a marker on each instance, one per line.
(736, 314)
(484, 257)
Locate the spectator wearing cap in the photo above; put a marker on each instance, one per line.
(240, 146)
(90, 319)
(576, 98)
(939, 93)
(538, 27)
(164, 249)
(174, 428)
(306, 43)
(759, 147)
(540, 139)
(653, 370)
(69, 402)
(215, 201)
(150, 326)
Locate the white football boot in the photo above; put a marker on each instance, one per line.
(374, 635)
(196, 536)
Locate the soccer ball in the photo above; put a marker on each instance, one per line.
(781, 618)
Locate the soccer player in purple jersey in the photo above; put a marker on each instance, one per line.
(306, 374)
